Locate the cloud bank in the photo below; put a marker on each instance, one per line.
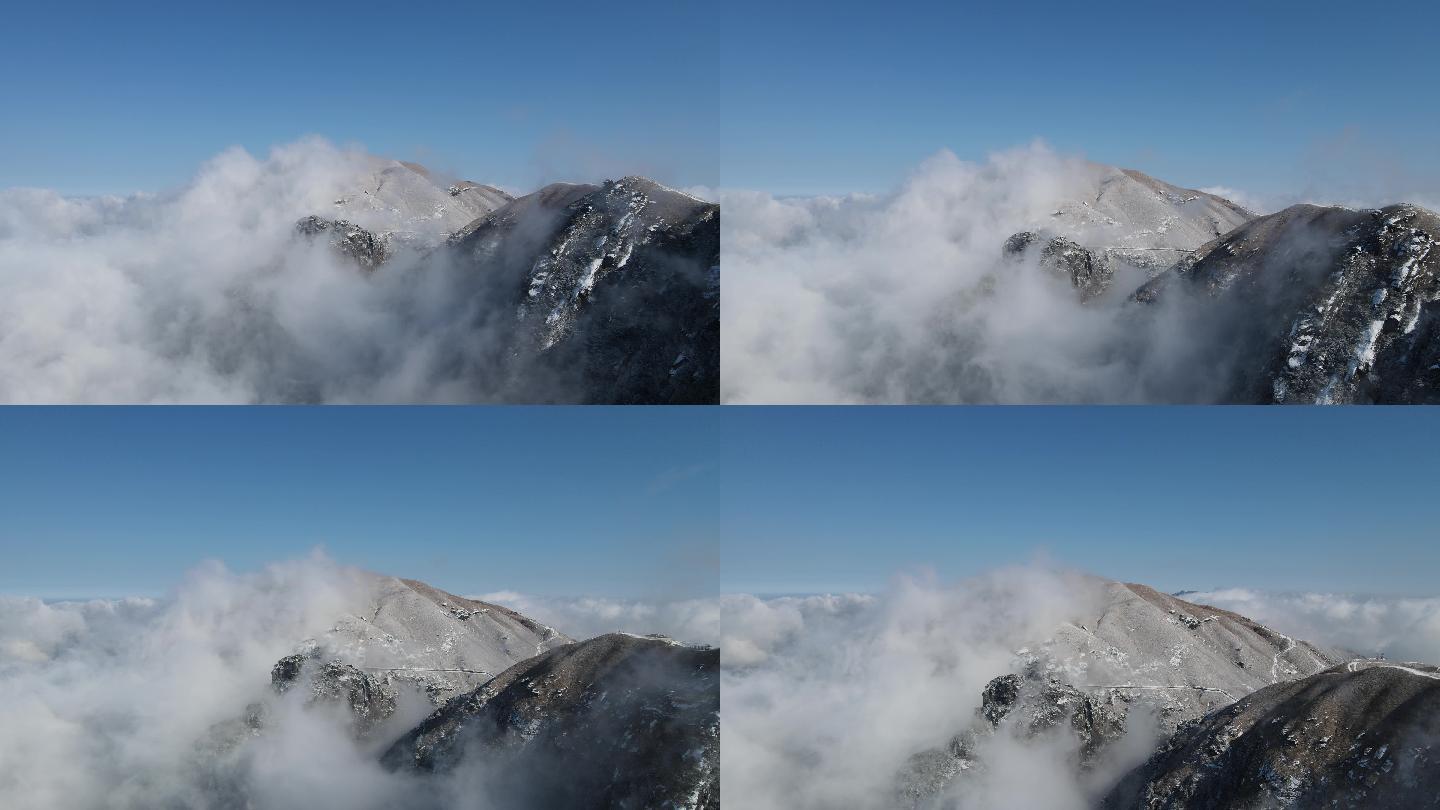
(693, 621)
(1406, 628)
(207, 294)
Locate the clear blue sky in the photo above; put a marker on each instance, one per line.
(826, 499)
(561, 501)
(103, 97)
(1270, 97)
(650, 502)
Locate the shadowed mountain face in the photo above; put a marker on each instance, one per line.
(616, 721)
(1364, 734)
(1317, 305)
(1143, 660)
(620, 283)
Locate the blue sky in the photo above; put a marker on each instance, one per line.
(560, 501)
(833, 499)
(660, 502)
(108, 98)
(1273, 98)
(1281, 100)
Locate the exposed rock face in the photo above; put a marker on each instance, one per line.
(1171, 659)
(1360, 735)
(1029, 707)
(620, 281)
(1318, 305)
(367, 249)
(369, 701)
(416, 635)
(616, 721)
(1089, 274)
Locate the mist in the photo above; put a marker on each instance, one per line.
(151, 702)
(207, 294)
(827, 697)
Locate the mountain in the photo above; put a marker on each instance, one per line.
(1123, 216)
(1358, 735)
(1317, 305)
(616, 721)
(411, 634)
(576, 293)
(406, 202)
(1180, 660)
(1139, 650)
(520, 715)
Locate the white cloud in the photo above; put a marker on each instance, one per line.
(693, 621)
(1400, 627)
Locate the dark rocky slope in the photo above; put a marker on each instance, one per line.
(1359, 735)
(615, 288)
(618, 721)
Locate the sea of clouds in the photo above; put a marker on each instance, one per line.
(139, 703)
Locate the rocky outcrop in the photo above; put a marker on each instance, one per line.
(369, 701)
(1359, 735)
(628, 721)
(1065, 259)
(1028, 707)
(366, 249)
(1316, 305)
